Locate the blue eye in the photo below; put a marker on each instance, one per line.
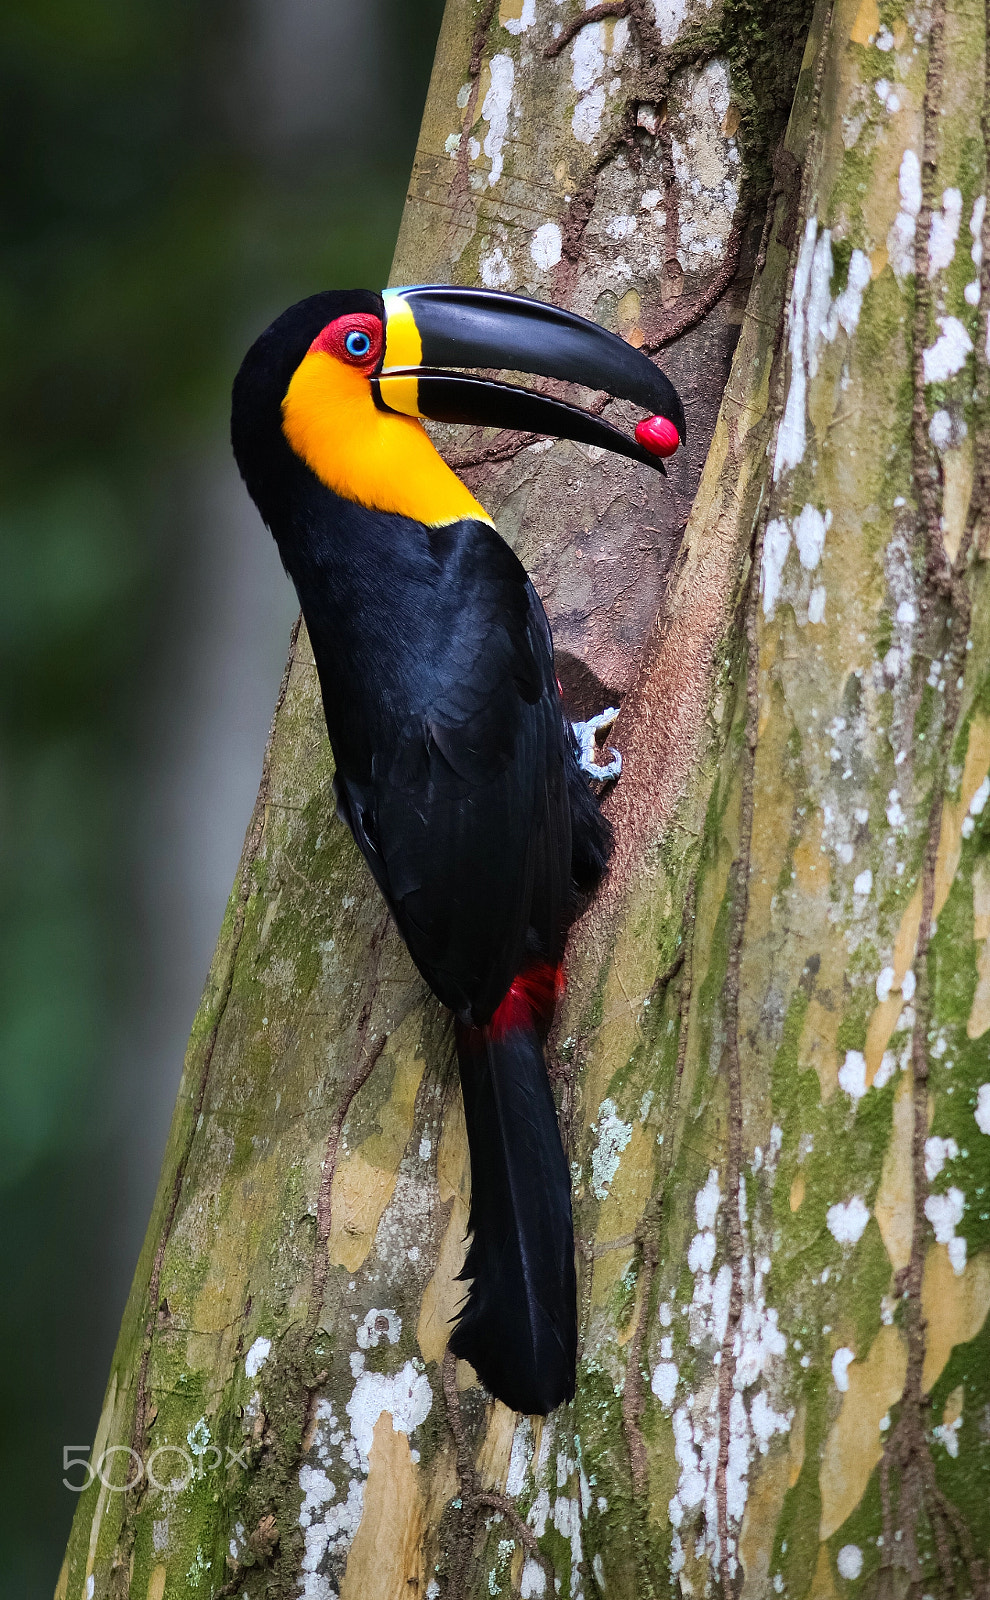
(357, 343)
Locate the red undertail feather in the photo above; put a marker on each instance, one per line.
(531, 1000)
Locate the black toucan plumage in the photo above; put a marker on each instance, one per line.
(456, 770)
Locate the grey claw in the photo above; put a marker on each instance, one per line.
(585, 734)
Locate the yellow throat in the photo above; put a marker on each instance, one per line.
(376, 458)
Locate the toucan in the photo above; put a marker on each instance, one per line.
(456, 769)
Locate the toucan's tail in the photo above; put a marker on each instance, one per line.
(518, 1328)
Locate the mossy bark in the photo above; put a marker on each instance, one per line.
(773, 1060)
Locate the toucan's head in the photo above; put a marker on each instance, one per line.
(342, 379)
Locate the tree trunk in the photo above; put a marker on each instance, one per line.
(773, 1059)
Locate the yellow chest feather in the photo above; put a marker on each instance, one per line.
(376, 458)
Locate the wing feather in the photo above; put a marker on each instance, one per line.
(465, 820)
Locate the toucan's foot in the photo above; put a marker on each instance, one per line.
(586, 735)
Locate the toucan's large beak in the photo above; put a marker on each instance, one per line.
(435, 327)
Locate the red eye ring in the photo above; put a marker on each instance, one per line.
(355, 339)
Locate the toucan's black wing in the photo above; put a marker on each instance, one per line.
(464, 817)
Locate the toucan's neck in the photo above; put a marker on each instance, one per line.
(374, 458)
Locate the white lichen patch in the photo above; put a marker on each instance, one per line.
(257, 1356)
(519, 1458)
(816, 604)
(852, 1075)
(494, 268)
(664, 1382)
(756, 1354)
(407, 1223)
(708, 1313)
(885, 1071)
(765, 1421)
(329, 1534)
(198, 1438)
(947, 1434)
(846, 308)
(972, 290)
(495, 111)
(982, 1112)
(940, 429)
(945, 1212)
(587, 119)
(944, 232)
(887, 95)
(835, 822)
(545, 246)
(669, 17)
(538, 1513)
(937, 1153)
(706, 167)
(613, 1136)
(317, 1490)
(792, 435)
(810, 528)
(707, 1201)
(759, 1339)
(533, 1582)
(587, 57)
(406, 1395)
(198, 1569)
(776, 544)
(701, 1252)
(950, 352)
(849, 1561)
(498, 1573)
(524, 21)
(622, 264)
(330, 1517)
(565, 1514)
(696, 1449)
(589, 63)
(900, 239)
(947, 1431)
(814, 319)
(846, 1220)
(841, 1361)
(378, 1325)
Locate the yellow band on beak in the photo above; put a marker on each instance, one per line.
(403, 344)
(401, 393)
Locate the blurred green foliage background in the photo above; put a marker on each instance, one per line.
(173, 175)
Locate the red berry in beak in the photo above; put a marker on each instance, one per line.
(658, 435)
